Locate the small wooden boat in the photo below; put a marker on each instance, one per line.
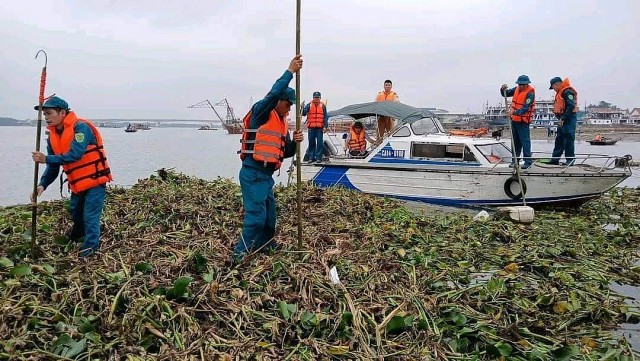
(603, 141)
(131, 129)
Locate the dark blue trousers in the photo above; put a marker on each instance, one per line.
(521, 141)
(565, 142)
(259, 223)
(86, 210)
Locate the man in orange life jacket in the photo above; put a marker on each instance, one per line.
(521, 114)
(566, 111)
(76, 145)
(385, 124)
(356, 140)
(265, 144)
(317, 123)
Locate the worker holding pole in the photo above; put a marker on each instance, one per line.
(265, 143)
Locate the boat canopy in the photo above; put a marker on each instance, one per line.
(401, 112)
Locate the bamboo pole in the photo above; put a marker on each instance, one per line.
(34, 198)
(298, 125)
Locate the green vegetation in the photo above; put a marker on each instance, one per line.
(435, 286)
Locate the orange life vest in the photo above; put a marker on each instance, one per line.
(559, 104)
(89, 171)
(518, 102)
(384, 97)
(315, 116)
(267, 146)
(357, 141)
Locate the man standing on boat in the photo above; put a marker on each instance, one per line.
(566, 110)
(317, 123)
(521, 114)
(265, 144)
(76, 145)
(385, 124)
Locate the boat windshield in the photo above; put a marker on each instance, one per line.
(495, 152)
(426, 126)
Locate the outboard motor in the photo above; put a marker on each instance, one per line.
(329, 149)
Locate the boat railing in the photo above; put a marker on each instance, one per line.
(599, 162)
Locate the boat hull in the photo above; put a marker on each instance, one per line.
(453, 186)
(602, 142)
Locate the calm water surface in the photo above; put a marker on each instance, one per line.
(205, 154)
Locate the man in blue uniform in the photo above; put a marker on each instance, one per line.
(521, 114)
(255, 176)
(76, 145)
(566, 111)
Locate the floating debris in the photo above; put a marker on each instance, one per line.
(432, 286)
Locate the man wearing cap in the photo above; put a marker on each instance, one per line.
(565, 108)
(76, 145)
(265, 143)
(521, 114)
(317, 123)
(385, 124)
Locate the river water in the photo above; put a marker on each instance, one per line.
(205, 154)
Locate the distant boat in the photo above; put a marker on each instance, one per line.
(207, 127)
(141, 126)
(603, 141)
(233, 127)
(131, 129)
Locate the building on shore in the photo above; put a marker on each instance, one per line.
(634, 116)
(606, 115)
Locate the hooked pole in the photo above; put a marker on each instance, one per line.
(513, 149)
(298, 125)
(34, 197)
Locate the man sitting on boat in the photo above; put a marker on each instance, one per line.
(598, 138)
(356, 141)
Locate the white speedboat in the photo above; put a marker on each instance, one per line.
(419, 161)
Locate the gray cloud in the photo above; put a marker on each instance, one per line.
(144, 59)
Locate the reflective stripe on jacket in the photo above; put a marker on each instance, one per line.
(266, 143)
(518, 102)
(89, 171)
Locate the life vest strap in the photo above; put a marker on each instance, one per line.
(96, 175)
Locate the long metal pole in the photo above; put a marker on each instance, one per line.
(513, 149)
(34, 198)
(298, 125)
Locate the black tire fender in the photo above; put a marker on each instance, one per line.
(507, 187)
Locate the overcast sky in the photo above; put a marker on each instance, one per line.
(151, 59)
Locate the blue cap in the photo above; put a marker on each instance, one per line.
(554, 80)
(523, 80)
(54, 102)
(316, 94)
(290, 95)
